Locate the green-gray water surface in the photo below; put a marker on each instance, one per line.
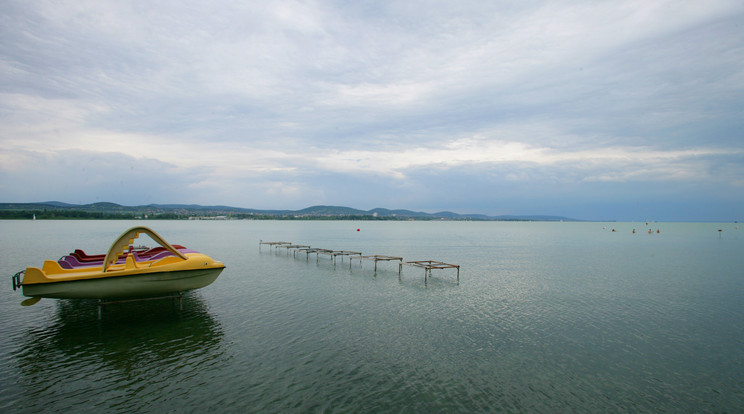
(546, 317)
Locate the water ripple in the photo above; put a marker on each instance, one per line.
(546, 318)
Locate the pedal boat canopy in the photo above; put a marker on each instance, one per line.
(123, 273)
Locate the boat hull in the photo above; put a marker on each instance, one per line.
(130, 286)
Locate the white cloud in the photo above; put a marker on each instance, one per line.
(260, 98)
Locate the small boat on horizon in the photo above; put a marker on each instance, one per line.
(124, 272)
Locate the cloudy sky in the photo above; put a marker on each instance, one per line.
(619, 110)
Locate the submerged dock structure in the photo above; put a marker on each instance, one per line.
(313, 250)
(293, 247)
(328, 252)
(272, 244)
(377, 258)
(427, 265)
(342, 253)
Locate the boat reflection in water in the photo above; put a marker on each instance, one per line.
(137, 347)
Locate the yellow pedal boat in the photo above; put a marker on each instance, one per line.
(123, 273)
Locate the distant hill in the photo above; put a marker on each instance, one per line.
(56, 209)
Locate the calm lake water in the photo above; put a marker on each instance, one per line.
(546, 317)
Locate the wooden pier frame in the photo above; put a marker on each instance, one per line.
(293, 247)
(272, 244)
(429, 265)
(333, 253)
(342, 253)
(313, 250)
(376, 258)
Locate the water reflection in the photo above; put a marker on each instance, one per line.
(135, 346)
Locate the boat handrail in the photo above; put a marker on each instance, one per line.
(121, 245)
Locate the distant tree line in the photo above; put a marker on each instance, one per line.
(354, 217)
(62, 214)
(351, 217)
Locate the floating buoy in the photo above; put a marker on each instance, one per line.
(357, 229)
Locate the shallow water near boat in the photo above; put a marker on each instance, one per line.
(556, 317)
